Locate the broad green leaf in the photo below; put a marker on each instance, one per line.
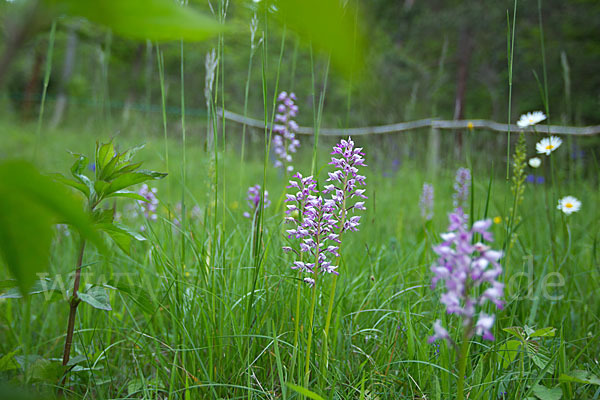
(104, 153)
(545, 393)
(30, 205)
(104, 216)
(121, 235)
(125, 169)
(516, 331)
(305, 392)
(96, 297)
(327, 25)
(130, 179)
(139, 296)
(579, 376)
(128, 154)
(40, 286)
(129, 194)
(159, 20)
(8, 362)
(79, 165)
(73, 183)
(43, 370)
(541, 360)
(544, 332)
(508, 351)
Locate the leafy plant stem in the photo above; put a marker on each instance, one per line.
(74, 302)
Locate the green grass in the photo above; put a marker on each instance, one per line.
(178, 327)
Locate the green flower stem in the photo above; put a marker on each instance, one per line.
(311, 319)
(462, 362)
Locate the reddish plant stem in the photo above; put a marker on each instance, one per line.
(73, 310)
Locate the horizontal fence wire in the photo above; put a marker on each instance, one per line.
(368, 130)
(424, 123)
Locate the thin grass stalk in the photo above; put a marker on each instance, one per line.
(510, 49)
(161, 76)
(253, 28)
(183, 163)
(47, 72)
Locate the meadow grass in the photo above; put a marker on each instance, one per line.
(217, 320)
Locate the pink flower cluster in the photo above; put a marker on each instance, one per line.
(253, 200)
(319, 221)
(469, 271)
(285, 128)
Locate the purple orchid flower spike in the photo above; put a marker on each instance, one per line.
(284, 139)
(469, 271)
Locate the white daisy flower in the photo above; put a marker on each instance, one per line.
(535, 162)
(530, 119)
(569, 204)
(548, 145)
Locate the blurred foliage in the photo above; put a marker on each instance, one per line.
(410, 60)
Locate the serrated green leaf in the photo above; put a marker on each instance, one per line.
(304, 391)
(545, 393)
(544, 332)
(580, 376)
(30, 205)
(158, 20)
(96, 297)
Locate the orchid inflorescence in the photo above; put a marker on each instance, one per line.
(320, 221)
(426, 202)
(253, 200)
(285, 128)
(149, 206)
(462, 185)
(470, 271)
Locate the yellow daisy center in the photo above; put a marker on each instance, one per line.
(497, 220)
(550, 147)
(569, 205)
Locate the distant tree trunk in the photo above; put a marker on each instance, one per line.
(32, 88)
(137, 66)
(65, 77)
(465, 50)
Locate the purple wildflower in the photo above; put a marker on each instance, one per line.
(466, 269)
(345, 181)
(149, 206)
(535, 179)
(462, 185)
(253, 200)
(285, 128)
(426, 202)
(315, 227)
